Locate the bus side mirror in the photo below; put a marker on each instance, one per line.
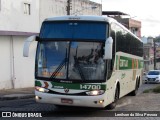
(108, 48)
(27, 44)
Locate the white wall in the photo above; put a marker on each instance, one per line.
(12, 17)
(53, 8)
(24, 67)
(16, 71)
(85, 7)
(5, 62)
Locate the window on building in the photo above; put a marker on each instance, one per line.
(27, 9)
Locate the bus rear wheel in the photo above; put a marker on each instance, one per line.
(113, 104)
(135, 91)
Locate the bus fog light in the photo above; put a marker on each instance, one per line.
(95, 92)
(101, 101)
(37, 98)
(40, 89)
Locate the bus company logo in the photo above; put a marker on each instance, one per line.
(66, 90)
(123, 63)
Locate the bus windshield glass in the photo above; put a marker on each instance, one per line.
(67, 60)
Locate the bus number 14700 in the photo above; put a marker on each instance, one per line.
(90, 87)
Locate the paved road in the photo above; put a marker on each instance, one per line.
(128, 103)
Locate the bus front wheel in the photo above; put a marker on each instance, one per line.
(113, 104)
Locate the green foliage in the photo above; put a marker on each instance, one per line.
(155, 90)
(147, 91)
(157, 39)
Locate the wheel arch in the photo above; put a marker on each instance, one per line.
(117, 85)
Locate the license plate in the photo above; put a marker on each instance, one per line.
(68, 101)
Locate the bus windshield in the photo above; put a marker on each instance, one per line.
(70, 60)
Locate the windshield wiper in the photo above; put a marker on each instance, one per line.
(54, 74)
(79, 68)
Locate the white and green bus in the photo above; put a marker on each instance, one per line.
(89, 61)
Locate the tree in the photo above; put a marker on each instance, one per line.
(157, 39)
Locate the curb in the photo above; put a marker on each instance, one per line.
(16, 97)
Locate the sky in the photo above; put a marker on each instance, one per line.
(146, 11)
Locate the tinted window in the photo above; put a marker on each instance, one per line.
(153, 73)
(126, 42)
(74, 30)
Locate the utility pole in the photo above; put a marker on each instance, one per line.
(154, 45)
(68, 7)
(101, 7)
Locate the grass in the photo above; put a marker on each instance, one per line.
(157, 89)
(154, 90)
(147, 91)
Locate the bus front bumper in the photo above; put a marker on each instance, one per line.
(68, 100)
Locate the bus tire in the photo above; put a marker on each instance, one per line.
(135, 91)
(113, 104)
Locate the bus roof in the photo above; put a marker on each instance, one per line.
(90, 18)
(81, 18)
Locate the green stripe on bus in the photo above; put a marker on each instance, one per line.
(77, 86)
(141, 63)
(117, 63)
(123, 63)
(38, 83)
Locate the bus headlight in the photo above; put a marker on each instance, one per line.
(95, 92)
(40, 89)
